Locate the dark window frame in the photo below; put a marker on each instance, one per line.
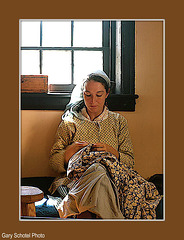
(123, 97)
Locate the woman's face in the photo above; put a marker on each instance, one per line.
(94, 97)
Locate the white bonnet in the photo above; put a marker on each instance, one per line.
(103, 75)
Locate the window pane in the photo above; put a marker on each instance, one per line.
(88, 34)
(56, 34)
(30, 33)
(57, 65)
(30, 62)
(85, 62)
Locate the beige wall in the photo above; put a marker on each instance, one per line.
(145, 124)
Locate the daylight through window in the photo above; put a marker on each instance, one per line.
(66, 51)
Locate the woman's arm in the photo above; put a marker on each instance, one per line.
(72, 149)
(57, 154)
(63, 148)
(126, 154)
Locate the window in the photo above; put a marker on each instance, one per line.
(68, 50)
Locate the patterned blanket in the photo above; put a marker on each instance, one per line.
(138, 198)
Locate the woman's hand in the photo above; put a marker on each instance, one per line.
(105, 148)
(73, 148)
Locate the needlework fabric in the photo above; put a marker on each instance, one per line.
(138, 198)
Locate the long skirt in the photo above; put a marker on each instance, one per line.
(94, 192)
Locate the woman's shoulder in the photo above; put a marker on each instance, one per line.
(68, 117)
(117, 116)
(67, 120)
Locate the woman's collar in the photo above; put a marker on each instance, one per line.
(99, 118)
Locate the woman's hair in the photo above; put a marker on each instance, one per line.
(99, 79)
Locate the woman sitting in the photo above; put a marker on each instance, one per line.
(94, 155)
